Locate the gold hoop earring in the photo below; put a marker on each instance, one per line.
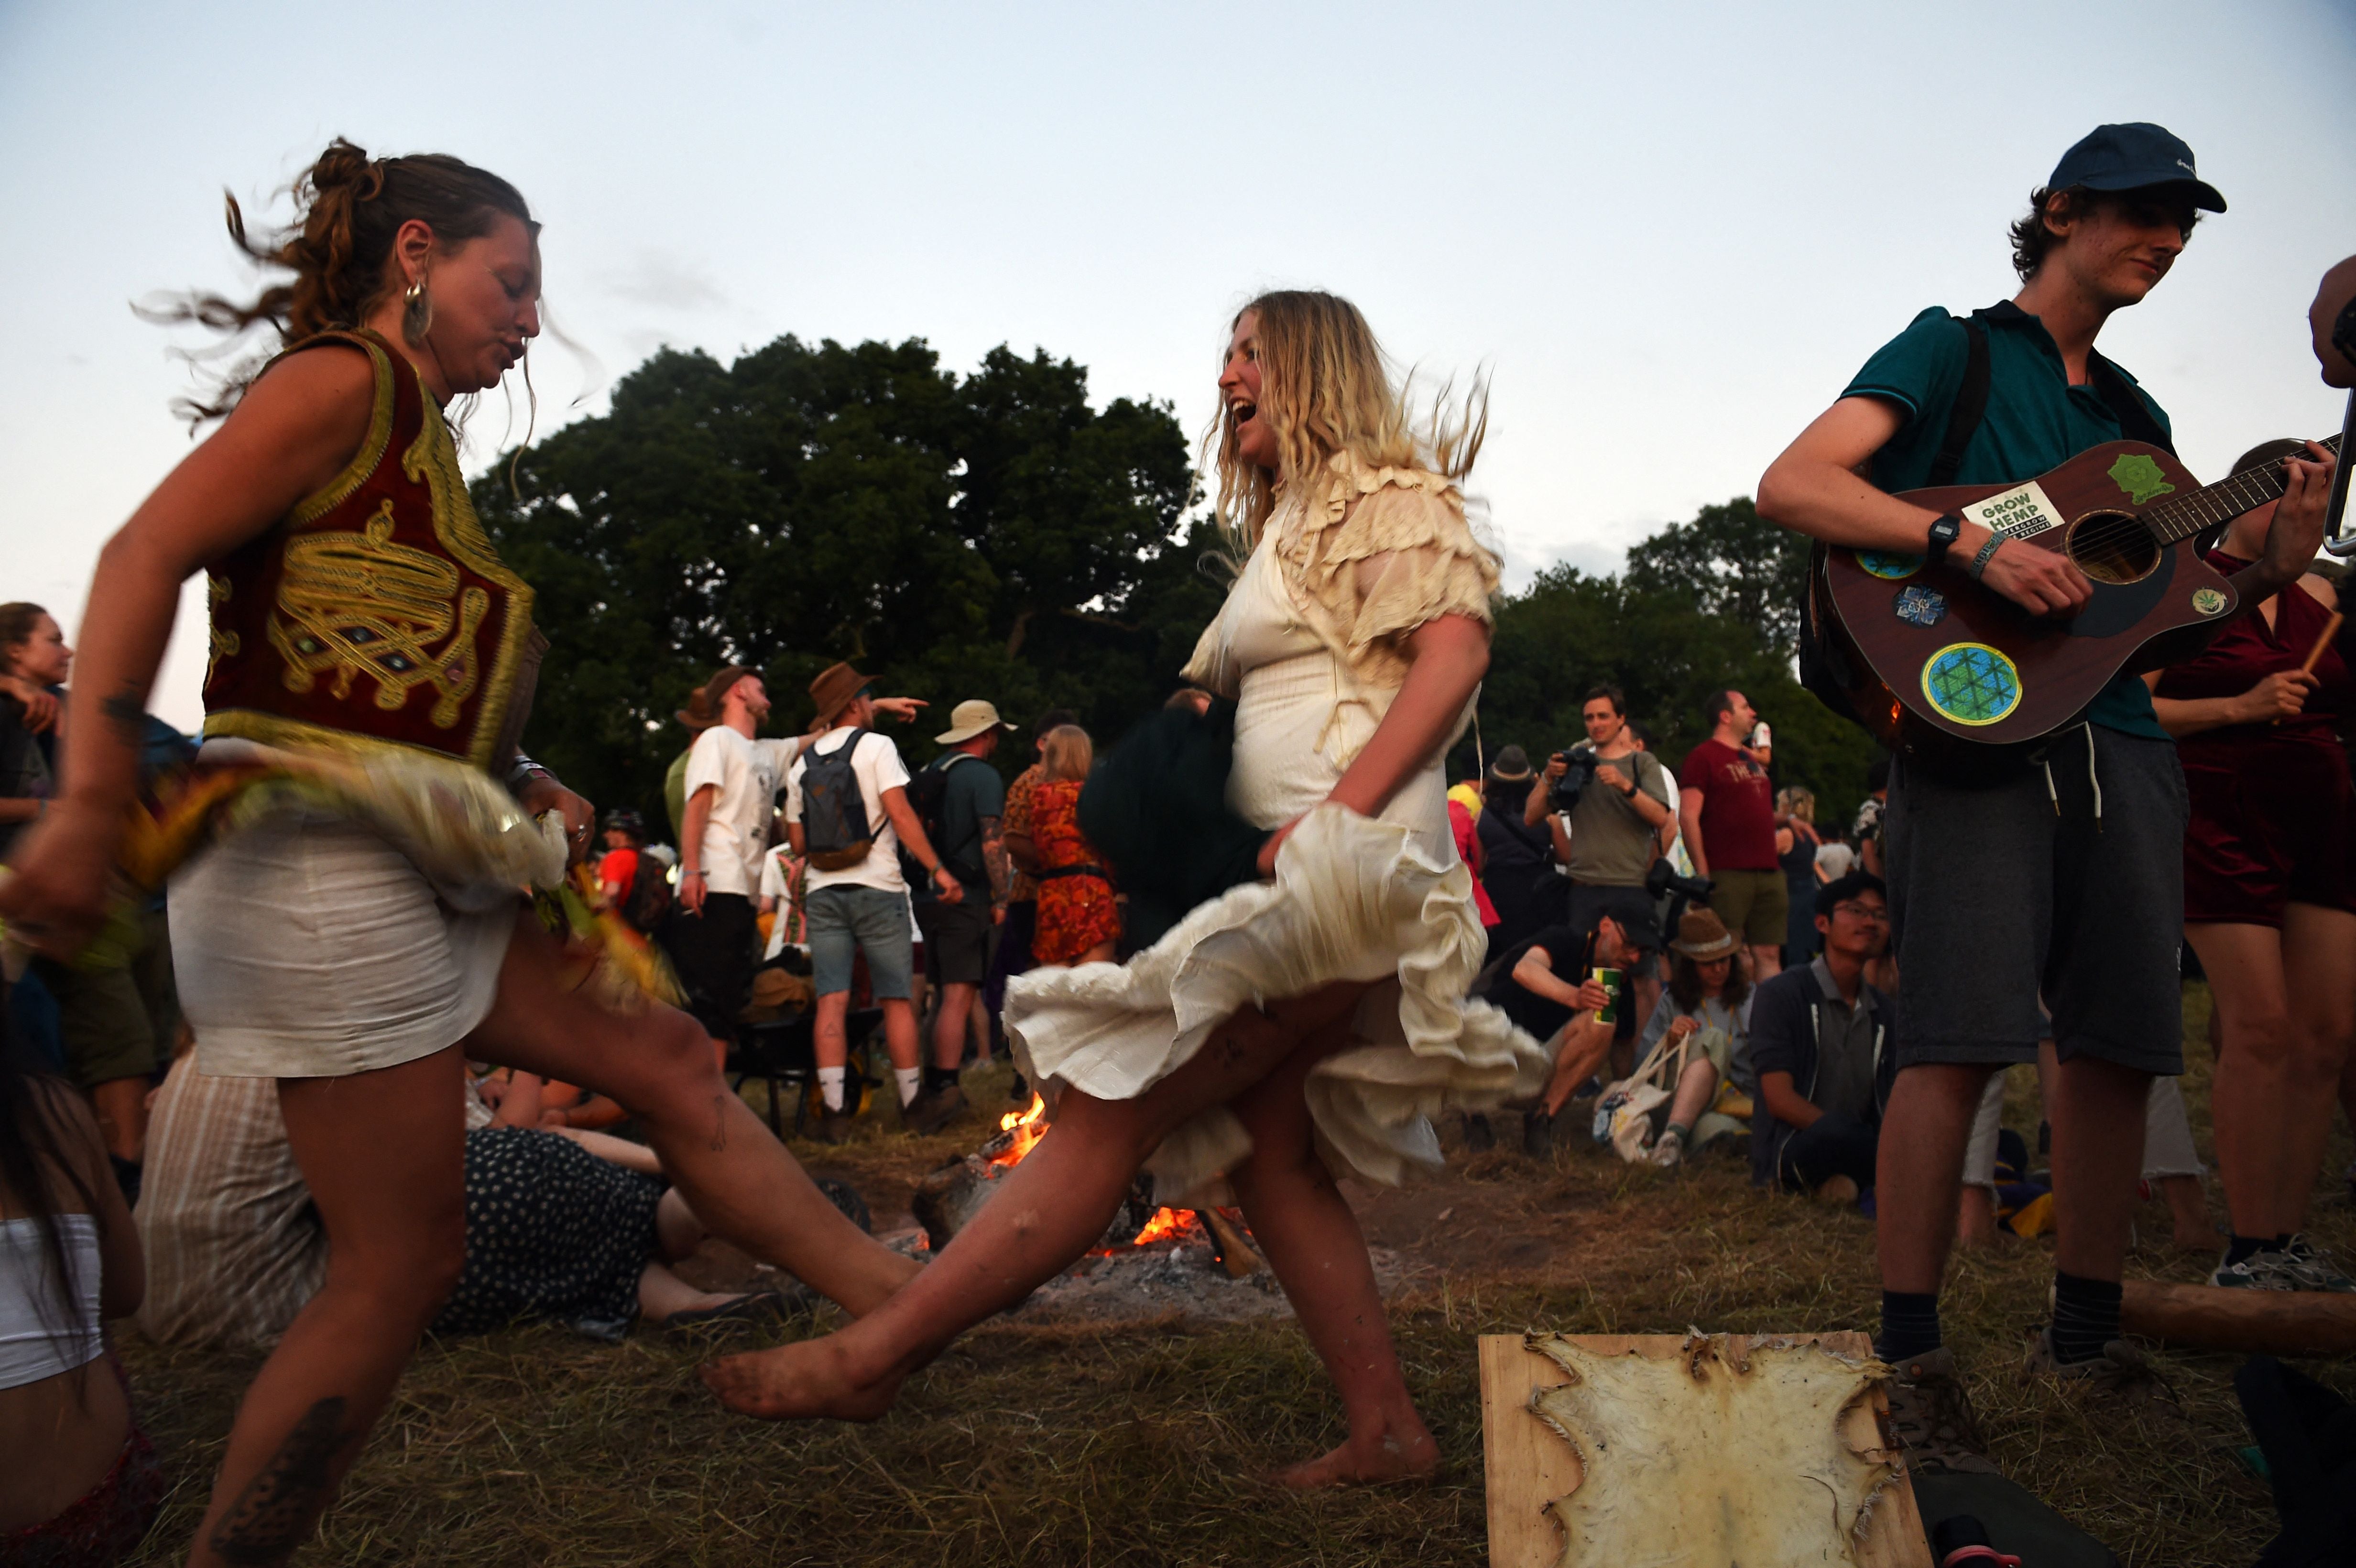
(416, 313)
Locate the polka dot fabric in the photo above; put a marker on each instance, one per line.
(551, 1231)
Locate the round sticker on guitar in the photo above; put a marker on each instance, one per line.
(1971, 683)
(1882, 563)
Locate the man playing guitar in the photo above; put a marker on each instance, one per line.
(2057, 871)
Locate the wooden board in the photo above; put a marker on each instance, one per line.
(1530, 1466)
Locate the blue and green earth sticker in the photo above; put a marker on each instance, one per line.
(1884, 564)
(1972, 683)
(2140, 478)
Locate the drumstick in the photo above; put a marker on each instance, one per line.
(2315, 654)
(2330, 630)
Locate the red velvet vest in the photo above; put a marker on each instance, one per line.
(376, 613)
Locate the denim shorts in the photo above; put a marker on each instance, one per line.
(847, 919)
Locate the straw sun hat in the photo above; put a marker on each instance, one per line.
(1702, 936)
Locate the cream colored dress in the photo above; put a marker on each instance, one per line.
(1308, 645)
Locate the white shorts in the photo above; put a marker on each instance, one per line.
(306, 947)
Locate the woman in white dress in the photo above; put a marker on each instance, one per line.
(1297, 1029)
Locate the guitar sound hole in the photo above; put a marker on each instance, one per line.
(2113, 546)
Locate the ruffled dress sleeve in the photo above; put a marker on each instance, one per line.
(1387, 551)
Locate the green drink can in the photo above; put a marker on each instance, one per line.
(1609, 1012)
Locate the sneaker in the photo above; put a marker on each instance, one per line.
(1538, 1135)
(2309, 1267)
(2259, 1271)
(833, 1128)
(1480, 1137)
(2121, 1373)
(1670, 1151)
(1930, 1417)
(933, 1109)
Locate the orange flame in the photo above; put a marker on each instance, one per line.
(1165, 1222)
(1028, 1126)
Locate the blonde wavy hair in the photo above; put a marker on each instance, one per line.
(1325, 387)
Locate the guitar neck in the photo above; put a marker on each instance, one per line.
(2181, 516)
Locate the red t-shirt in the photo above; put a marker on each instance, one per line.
(1737, 808)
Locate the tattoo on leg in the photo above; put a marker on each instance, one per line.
(281, 1505)
(127, 714)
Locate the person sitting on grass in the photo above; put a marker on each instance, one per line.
(1819, 1042)
(576, 1227)
(1549, 987)
(1706, 1001)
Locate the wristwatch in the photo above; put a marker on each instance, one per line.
(1944, 533)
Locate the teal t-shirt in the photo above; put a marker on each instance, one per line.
(974, 791)
(2035, 421)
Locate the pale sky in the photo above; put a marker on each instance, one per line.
(1670, 231)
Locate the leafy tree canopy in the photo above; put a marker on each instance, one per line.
(994, 535)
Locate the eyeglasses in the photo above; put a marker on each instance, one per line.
(1862, 911)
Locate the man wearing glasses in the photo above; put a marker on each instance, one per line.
(1820, 1043)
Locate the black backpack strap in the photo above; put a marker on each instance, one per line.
(2127, 404)
(1964, 415)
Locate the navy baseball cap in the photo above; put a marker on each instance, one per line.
(2134, 156)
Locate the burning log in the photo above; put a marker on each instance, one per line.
(1231, 1244)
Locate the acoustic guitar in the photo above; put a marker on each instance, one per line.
(1932, 662)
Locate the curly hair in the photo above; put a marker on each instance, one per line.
(348, 208)
(2031, 238)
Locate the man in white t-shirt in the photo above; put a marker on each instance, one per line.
(733, 780)
(731, 790)
(856, 900)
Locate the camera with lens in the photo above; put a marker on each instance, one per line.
(1683, 892)
(1578, 772)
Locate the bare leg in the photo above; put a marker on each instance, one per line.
(662, 1294)
(738, 1179)
(1696, 1085)
(830, 1036)
(949, 1023)
(1920, 1169)
(384, 1156)
(899, 1032)
(1766, 963)
(1043, 1215)
(2097, 1110)
(2320, 973)
(2187, 1212)
(1579, 1049)
(1975, 1217)
(2250, 1095)
(677, 1230)
(1312, 1241)
(121, 1107)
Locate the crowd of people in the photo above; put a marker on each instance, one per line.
(337, 1085)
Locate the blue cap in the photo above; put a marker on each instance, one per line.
(2134, 156)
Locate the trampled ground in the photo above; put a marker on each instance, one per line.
(1143, 1441)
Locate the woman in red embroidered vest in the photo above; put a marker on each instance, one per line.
(367, 639)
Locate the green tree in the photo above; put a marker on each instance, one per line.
(1703, 606)
(991, 536)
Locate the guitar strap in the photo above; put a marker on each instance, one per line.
(1970, 406)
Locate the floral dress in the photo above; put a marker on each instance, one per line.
(1075, 907)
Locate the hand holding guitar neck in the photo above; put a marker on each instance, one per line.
(2295, 535)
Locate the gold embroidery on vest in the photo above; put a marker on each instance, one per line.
(360, 605)
(221, 643)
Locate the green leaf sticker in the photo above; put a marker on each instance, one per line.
(2207, 601)
(2140, 478)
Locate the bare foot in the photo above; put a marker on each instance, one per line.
(801, 1382)
(1392, 1456)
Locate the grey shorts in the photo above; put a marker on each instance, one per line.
(1996, 897)
(848, 920)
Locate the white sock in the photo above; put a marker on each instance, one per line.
(830, 1086)
(911, 1078)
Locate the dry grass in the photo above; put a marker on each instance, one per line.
(1143, 1444)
